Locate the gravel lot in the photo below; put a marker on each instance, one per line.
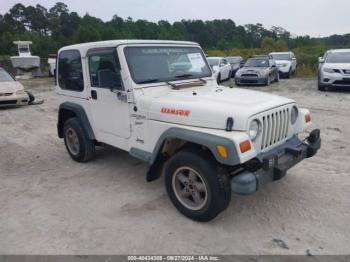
(52, 205)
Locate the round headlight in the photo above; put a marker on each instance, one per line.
(294, 115)
(254, 129)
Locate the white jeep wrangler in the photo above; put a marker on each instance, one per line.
(159, 101)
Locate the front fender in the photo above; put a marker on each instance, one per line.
(301, 125)
(208, 140)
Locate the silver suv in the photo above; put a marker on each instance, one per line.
(334, 69)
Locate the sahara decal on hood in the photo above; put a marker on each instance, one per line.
(173, 111)
(210, 107)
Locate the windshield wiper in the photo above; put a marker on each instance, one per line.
(184, 75)
(147, 81)
(189, 75)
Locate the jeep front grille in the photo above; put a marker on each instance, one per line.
(249, 75)
(274, 127)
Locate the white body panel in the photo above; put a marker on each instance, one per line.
(286, 65)
(334, 74)
(13, 92)
(25, 61)
(117, 123)
(223, 68)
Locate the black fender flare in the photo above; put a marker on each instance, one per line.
(67, 110)
(208, 140)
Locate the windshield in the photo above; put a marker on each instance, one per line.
(5, 77)
(257, 63)
(281, 56)
(23, 50)
(234, 60)
(338, 57)
(162, 64)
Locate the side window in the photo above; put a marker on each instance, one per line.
(104, 69)
(70, 72)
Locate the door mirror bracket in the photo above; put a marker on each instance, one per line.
(121, 96)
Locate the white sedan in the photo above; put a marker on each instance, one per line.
(221, 68)
(12, 92)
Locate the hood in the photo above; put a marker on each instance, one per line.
(341, 66)
(253, 70)
(10, 87)
(210, 106)
(280, 62)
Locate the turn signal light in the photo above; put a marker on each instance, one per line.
(307, 118)
(245, 146)
(222, 151)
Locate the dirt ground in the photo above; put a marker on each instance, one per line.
(52, 205)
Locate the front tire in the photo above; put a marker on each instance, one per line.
(196, 186)
(78, 144)
(218, 80)
(268, 81)
(320, 86)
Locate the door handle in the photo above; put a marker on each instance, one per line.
(94, 94)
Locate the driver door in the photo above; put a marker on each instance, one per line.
(109, 108)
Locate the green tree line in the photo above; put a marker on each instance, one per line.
(50, 29)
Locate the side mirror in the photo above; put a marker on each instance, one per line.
(321, 60)
(108, 79)
(221, 65)
(294, 59)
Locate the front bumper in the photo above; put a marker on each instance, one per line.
(284, 69)
(14, 100)
(335, 79)
(273, 165)
(251, 80)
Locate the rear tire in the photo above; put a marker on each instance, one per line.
(196, 185)
(78, 144)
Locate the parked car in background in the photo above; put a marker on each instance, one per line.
(236, 62)
(221, 68)
(286, 63)
(258, 70)
(51, 60)
(11, 91)
(334, 70)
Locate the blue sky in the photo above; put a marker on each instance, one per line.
(300, 17)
